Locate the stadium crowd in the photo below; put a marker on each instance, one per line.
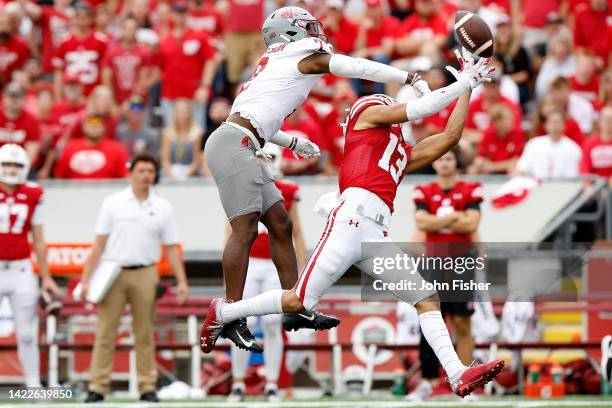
(88, 85)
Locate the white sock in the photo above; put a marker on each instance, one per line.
(435, 332)
(273, 347)
(267, 303)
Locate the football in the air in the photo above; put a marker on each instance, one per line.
(473, 33)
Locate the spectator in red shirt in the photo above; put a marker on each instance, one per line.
(479, 118)
(51, 132)
(187, 67)
(501, 146)
(101, 105)
(590, 29)
(340, 31)
(597, 149)
(244, 20)
(547, 105)
(532, 14)
(423, 33)
(333, 132)
(301, 125)
(14, 51)
(585, 82)
(80, 53)
(94, 156)
(16, 125)
(377, 31)
(73, 102)
(204, 16)
(127, 64)
(54, 22)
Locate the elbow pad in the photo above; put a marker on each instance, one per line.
(349, 67)
(435, 101)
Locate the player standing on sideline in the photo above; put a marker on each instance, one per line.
(21, 214)
(296, 58)
(376, 159)
(262, 277)
(448, 212)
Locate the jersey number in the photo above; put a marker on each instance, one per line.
(263, 61)
(397, 169)
(20, 210)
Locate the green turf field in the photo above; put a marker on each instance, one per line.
(365, 402)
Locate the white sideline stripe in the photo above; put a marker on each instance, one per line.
(332, 404)
(483, 47)
(463, 20)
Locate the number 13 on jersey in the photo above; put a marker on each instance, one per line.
(394, 169)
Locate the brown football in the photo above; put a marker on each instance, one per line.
(473, 33)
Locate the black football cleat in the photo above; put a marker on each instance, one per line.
(309, 320)
(149, 397)
(238, 332)
(94, 397)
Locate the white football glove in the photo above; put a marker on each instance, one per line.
(471, 73)
(304, 148)
(420, 86)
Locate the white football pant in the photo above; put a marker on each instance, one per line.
(20, 285)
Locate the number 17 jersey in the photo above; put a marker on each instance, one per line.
(374, 159)
(18, 212)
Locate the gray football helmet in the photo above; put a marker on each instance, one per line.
(288, 24)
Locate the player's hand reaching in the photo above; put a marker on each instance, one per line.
(304, 148)
(471, 73)
(420, 86)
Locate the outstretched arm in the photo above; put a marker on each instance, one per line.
(349, 67)
(382, 115)
(471, 75)
(435, 146)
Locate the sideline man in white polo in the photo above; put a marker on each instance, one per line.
(132, 225)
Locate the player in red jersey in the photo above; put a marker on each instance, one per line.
(20, 215)
(376, 158)
(261, 277)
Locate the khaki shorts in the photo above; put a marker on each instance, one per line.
(243, 50)
(244, 181)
